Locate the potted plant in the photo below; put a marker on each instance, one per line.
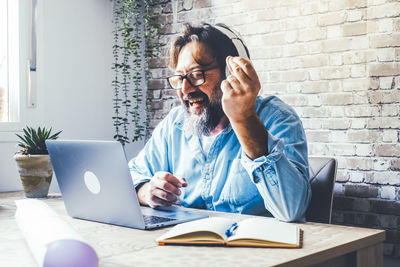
(34, 162)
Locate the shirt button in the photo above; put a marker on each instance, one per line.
(256, 179)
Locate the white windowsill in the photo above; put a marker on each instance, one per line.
(8, 130)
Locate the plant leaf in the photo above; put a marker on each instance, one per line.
(55, 136)
(35, 137)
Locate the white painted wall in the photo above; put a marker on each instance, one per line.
(74, 78)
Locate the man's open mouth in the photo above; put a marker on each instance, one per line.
(196, 101)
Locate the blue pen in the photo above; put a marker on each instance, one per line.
(231, 229)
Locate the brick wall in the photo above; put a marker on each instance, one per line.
(338, 64)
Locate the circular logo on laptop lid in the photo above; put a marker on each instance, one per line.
(92, 182)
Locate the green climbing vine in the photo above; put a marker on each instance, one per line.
(136, 41)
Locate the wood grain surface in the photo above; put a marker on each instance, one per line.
(323, 245)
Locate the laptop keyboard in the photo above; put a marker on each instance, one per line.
(155, 219)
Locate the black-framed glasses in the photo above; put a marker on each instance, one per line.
(195, 78)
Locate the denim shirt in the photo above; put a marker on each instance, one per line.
(227, 180)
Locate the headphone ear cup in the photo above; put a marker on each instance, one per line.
(237, 42)
(227, 72)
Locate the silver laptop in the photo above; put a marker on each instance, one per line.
(96, 185)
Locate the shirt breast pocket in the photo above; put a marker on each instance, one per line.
(238, 189)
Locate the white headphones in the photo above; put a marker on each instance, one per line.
(237, 42)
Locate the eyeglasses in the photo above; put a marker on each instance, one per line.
(195, 78)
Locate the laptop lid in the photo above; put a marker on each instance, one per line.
(96, 184)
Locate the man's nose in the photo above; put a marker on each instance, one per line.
(186, 87)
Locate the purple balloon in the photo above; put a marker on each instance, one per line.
(68, 253)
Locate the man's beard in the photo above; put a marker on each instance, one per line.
(204, 123)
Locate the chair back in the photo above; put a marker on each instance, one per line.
(322, 179)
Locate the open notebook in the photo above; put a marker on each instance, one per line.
(253, 232)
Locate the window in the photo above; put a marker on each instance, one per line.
(3, 62)
(9, 61)
(15, 51)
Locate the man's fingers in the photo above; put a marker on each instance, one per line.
(166, 186)
(163, 189)
(182, 180)
(226, 87)
(234, 82)
(239, 78)
(236, 69)
(168, 177)
(228, 64)
(244, 65)
(163, 195)
(157, 202)
(245, 74)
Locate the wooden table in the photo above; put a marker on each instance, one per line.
(323, 245)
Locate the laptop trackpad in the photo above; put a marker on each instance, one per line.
(170, 212)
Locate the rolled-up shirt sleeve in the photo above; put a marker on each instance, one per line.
(138, 174)
(282, 176)
(152, 157)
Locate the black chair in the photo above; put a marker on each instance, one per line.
(322, 179)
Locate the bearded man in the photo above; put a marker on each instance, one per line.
(225, 148)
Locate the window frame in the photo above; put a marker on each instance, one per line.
(19, 48)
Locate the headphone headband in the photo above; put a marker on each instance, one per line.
(236, 40)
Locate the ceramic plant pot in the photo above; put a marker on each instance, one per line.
(36, 173)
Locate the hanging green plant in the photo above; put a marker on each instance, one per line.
(136, 35)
